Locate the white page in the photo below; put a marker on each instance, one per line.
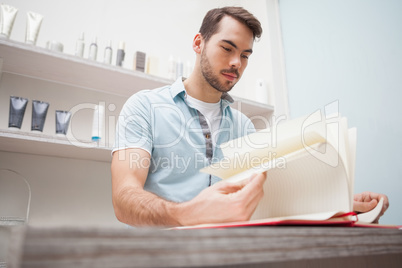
(263, 146)
(269, 137)
(322, 216)
(306, 186)
(371, 215)
(352, 135)
(315, 179)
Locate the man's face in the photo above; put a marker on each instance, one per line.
(225, 55)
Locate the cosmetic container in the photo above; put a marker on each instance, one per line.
(62, 121)
(263, 93)
(17, 110)
(7, 18)
(80, 46)
(120, 54)
(55, 46)
(107, 57)
(140, 61)
(34, 21)
(152, 65)
(179, 68)
(98, 123)
(172, 68)
(93, 50)
(187, 69)
(39, 112)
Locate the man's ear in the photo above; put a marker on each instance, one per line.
(198, 43)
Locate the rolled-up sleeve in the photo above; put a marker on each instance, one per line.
(133, 129)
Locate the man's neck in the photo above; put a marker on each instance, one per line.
(198, 88)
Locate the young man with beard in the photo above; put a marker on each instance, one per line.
(164, 136)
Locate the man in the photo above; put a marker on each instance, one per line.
(166, 135)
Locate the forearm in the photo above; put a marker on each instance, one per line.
(222, 202)
(137, 207)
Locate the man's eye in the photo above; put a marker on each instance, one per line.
(227, 49)
(244, 56)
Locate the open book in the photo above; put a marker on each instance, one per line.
(310, 164)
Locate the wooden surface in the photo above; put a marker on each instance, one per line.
(237, 247)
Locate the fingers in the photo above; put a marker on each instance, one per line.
(228, 187)
(384, 206)
(386, 203)
(231, 187)
(360, 206)
(362, 201)
(254, 188)
(253, 192)
(252, 206)
(250, 195)
(248, 192)
(255, 183)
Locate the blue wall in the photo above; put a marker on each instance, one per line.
(351, 51)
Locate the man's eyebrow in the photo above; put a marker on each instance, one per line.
(234, 45)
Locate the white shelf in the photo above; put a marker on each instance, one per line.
(32, 61)
(252, 108)
(43, 64)
(40, 144)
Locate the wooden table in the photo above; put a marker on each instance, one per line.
(236, 247)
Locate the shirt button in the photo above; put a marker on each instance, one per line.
(207, 135)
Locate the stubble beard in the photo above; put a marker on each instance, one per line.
(212, 79)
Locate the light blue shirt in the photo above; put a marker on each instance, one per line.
(161, 122)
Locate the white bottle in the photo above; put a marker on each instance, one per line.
(172, 68)
(187, 69)
(261, 91)
(80, 46)
(264, 94)
(108, 53)
(93, 50)
(179, 68)
(152, 65)
(98, 123)
(120, 54)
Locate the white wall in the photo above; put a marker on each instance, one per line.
(159, 28)
(73, 192)
(67, 192)
(350, 51)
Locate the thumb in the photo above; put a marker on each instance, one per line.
(364, 206)
(228, 187)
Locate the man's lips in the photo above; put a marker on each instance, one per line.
(230, 76)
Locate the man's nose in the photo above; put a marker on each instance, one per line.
(235, 61)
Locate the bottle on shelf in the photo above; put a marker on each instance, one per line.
(120, 54)
(172, 68)
(80, 46)
(107, 58)
(179, 68)
(93, 50)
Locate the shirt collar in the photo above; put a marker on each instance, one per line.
(226, 100)
(178, 88)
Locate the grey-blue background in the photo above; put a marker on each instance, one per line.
(351, 51)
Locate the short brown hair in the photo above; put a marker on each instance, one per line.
(210, 24)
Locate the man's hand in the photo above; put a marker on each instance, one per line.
(367, 201)
(224, 202)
